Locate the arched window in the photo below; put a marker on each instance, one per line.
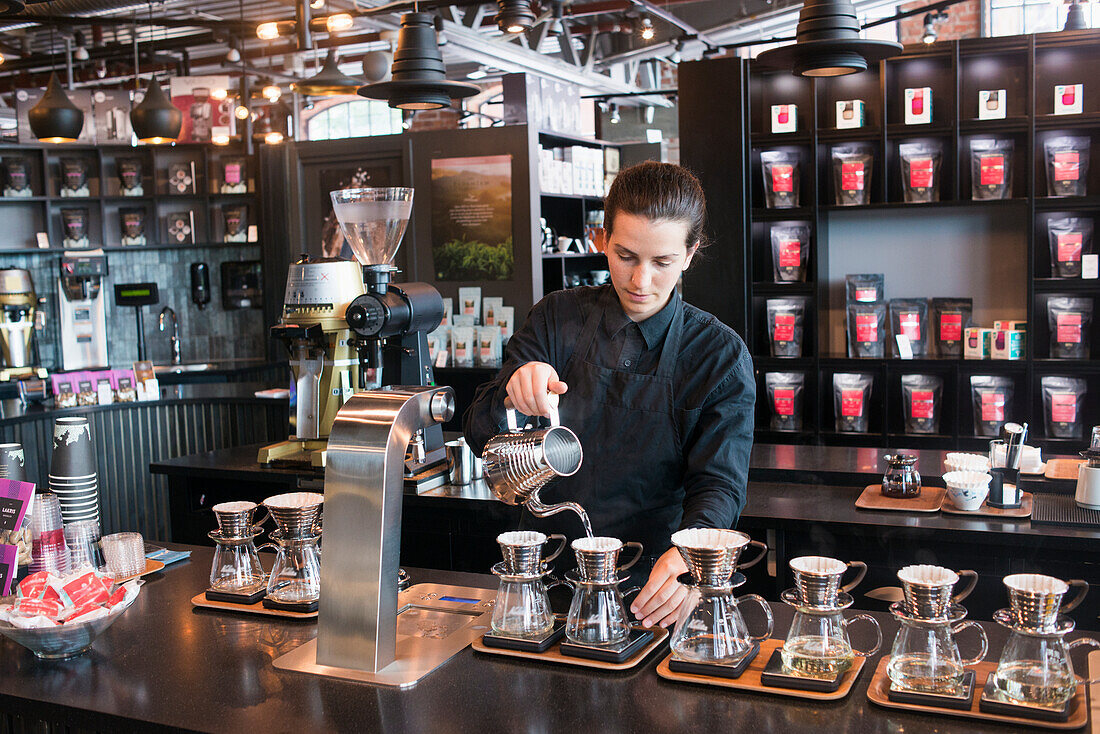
(353, 119)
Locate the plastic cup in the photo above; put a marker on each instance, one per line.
(124, 554)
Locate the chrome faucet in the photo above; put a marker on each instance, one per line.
(165, 314)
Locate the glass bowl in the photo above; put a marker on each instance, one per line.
(64, 641)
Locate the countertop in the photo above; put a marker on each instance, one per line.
(164, 665)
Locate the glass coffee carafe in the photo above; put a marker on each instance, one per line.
(296, 575)
(901, 478)
(710, 628)
(817, 644)
(236, 569)
(597, 614)
(522, 607)
(1035, 667)
(925, 656)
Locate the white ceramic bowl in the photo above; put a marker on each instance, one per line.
(967, 490)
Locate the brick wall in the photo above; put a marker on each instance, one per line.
(963, 21)
(441, 119)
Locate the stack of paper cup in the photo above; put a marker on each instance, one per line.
(12, 462)
(73, 475)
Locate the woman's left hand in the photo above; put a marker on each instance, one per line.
(659, 600)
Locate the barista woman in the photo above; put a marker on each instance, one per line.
(659, 392)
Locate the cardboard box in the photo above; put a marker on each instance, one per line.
(992, 104)
(1069, 99)
(1007, 344)
(976, 342)
(1010, 326)
(850, 114)
(784, 118)
(918, 105)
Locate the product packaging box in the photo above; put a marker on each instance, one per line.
(976, 342)
(1006, 344)
(992, 104)
(1068, 99)
(1010, 326)
(784, 118)
(918, 106)
(850, 113)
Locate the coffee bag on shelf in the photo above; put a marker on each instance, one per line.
(1070, 239)
(992, 399)
(786, 319)
(920, 170)
(785, 393)
(991, 169)
(790, 252)
(1067, 165)
(1069, 319)
(1063, 399)
(781, 178)
(921, 396)
(950, 316)
(851, 400)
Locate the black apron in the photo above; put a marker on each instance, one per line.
(631, 477)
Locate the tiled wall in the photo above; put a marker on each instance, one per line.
(209, 334)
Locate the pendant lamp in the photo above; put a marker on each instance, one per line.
(55, 119)
(1075, 18)
(827, 43)
(11, 7)
(328, 81)
(419, 80)
(156, 120)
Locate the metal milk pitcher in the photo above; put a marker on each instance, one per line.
(519, 463)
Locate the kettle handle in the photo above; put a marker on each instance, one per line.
(878, 634)
(1072, 603)
(767, 613)
(981, 635)
(855, 582)
(513, 424)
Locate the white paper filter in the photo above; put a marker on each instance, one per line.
(238, 506)
(703, 538)
(597, 544)
(818, 565)
(967, 479)
(1036, 583)
(521, 537)
(926, 575)
(293, 500)
(966, 462)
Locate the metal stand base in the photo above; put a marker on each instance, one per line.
(435, 622)
(291, 452)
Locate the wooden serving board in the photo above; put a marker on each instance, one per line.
(929, 501)
(880, 685)
(1065, 469)
(1094, 691)
(750, 679)
(150, 567)
(553, 655)
(200, 600)
(1023, 511)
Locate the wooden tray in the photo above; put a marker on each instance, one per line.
(1023, 511)
(750, 679)
(150, 567)
(880, 684)
(1094, 691)
(200, 600)
(929, 501)
(1065, 469)
(553, 655)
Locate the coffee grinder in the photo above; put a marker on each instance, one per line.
(83, 310)
(20, 317)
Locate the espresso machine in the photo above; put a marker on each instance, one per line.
(20, 317)
(83, 310)
(347, 327)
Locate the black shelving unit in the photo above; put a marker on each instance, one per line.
(1028, 67)
(24, 217)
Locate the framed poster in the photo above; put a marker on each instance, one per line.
(472, 218)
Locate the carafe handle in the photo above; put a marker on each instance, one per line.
(767, 613)
(874, 623)
(558, 550)
(1077, 643)
(635, 559)
(973, 576)
(267, 546)
(763, 552)
(1072, 603)
(553, 581)
(981, 633)
(855, 582)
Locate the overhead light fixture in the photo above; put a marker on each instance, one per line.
(1075, 18)
(478, 73)
(80, 53)
(55, 119)
(514, 16)
(317, 4)
(650, 113)
(241, 112)
(376, 66)
(232, 55)
(220, 139)
(267, 31)
(328, 81)
(931, 21)
(11, 7)
(156, 120)
(218, 93)
(616, 118)
(828, 43)
(419, 78)
(273, 138)
(339, 22)
(647, 29)
(272, 92)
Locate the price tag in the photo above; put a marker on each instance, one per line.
(1090, 266)
(441, 358)
(253, 233)
(905, 348)
(43, 240)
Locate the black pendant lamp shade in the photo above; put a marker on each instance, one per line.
(328, 81)
(827, 43)
(419, 79)
(156, 120)
(11, 7)
(1075, 18)
(55, 119)
(514, 16)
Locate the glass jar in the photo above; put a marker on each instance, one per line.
(901, 479)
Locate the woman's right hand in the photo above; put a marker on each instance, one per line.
(534, 389)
